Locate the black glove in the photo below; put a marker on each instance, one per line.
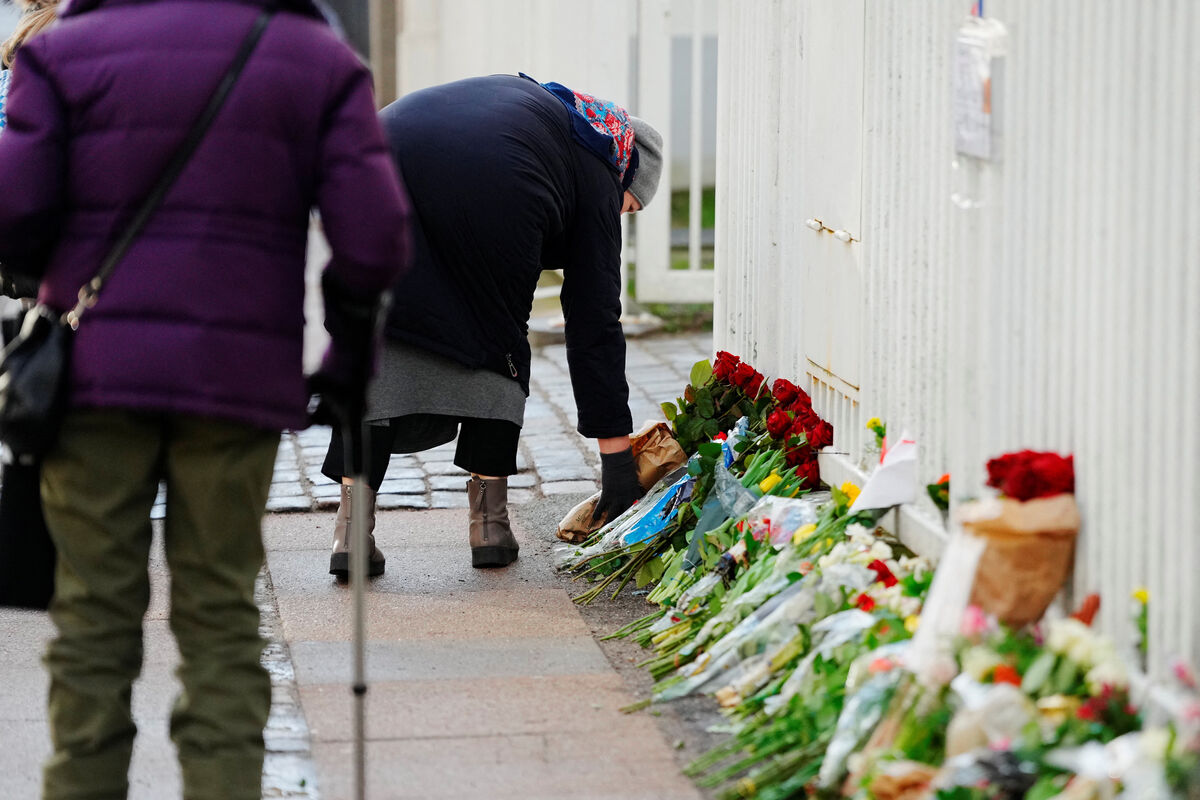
(18, 286)
(619, 487)
(333, 402)
(340, 385)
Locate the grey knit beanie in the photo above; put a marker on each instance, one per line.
(649, 144)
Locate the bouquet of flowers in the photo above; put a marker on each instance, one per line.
(1030, 533)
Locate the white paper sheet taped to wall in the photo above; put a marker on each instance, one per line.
(977, 73)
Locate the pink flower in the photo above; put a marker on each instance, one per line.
(974, 622)
(1183, 673)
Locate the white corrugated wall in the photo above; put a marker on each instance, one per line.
(1055, 305)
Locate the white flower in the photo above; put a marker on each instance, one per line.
(881, 551)
(1153, 744)
(860, 535)
(1071, 638)
(912, 565)
(979, 661)
(1110, 672)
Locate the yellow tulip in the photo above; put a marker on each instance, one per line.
(1142, 595)
(851, 491)
(911, 623)
(873, 423)
(803, 532)
(770, 482)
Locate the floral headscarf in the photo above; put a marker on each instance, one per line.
(603, 127)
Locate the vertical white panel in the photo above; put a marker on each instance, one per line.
(1056, 305)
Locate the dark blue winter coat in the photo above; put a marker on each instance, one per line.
(502, 190)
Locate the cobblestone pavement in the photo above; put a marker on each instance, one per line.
(554, 459)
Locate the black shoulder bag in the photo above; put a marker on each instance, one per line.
(34, 366)
(33, 380)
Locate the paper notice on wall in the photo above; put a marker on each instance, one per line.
(975, 73)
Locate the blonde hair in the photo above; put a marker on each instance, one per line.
(38, 14)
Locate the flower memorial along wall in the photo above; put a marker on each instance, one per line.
(824, 640)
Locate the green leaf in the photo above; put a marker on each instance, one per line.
(704, 403)
(1038, 673)
(1064, 676)
(711, 428)
(669, 411)
(701, 372)
(823, 605)
(651, 571)
(709, 449)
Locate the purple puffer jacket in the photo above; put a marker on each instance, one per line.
(204, 315)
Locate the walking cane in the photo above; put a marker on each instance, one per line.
(356, 468)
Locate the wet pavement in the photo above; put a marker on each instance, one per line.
(485, 683)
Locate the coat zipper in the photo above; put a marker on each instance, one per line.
(511, 367)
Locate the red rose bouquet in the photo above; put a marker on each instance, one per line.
(1030, 534)
(1029, 474)
(780, 412)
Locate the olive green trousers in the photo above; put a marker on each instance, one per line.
(98, 487)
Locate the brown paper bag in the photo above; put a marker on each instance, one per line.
(655, 453)
(1030, 549)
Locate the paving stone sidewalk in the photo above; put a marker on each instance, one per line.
(485, 679)
(554, 459)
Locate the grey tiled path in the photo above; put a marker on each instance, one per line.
(485, 679)
(554, 459)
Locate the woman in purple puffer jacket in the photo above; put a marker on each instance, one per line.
(189, 365)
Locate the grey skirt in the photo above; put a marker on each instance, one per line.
(431, 392)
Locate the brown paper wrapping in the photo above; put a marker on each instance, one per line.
(903, 780)
(655, 453)
(1030, 549)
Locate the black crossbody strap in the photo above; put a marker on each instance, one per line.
(90, 290)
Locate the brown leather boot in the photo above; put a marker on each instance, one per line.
(339, 562)
(492, 541)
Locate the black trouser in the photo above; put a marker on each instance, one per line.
(26, 551)
(485, 446)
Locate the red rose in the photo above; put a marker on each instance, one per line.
(810, 472)
(755, 383)
(865, 602)
(726, 364)
(821, 435)
(1055, 473)
(805, 417)
(785, 391)
(998, 468)
(799, 401)
(882, 573)
(1028, 474)
(1020, 483)
(800, 455)
(741, 374)
(778, 424)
